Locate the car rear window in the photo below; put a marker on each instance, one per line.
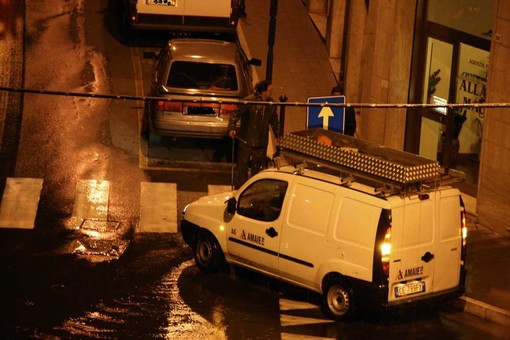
(195, 75)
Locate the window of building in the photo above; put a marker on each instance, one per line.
(470, 16)
(452, 68)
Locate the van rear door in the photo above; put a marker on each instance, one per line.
(449, 242)
(207, 8)
(172, 9)
(186, 15)
(426, 245)
(412, 248)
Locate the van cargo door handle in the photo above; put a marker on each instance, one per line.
(271, 232)
(427, 257)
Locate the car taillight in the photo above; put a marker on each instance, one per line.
(162, 105)
(227, 109)
(386, 251)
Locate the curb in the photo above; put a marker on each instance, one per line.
(482, 310)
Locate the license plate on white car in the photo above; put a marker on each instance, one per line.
(162, 2)
(409, 288)
(200, 111)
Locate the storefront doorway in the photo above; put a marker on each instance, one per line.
(452, 68)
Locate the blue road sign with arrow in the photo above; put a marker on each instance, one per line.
(325, 117)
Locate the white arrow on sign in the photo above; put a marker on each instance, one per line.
(325, 113)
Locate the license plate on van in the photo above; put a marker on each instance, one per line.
(161, 2)
(409, 288)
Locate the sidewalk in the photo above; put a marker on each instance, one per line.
(488, 265)
(302, 69)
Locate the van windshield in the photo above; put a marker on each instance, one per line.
(196, 75)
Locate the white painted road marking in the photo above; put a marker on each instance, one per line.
(91, 200)
(19, 202)
(158, 203)
(287, 319)
(158, 207)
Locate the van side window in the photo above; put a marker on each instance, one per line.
(263, 200)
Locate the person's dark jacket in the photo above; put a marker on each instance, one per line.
(350, 121)
(255, 121)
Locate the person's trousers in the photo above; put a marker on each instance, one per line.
(248, 158)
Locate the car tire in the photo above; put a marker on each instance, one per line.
(208, 255)
(338, 300)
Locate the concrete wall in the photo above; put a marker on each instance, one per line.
(335, 28)
(493, 202)
(317, 6)
(385, 68)
(354, 52)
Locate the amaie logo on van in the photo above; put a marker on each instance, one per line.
(415, 271)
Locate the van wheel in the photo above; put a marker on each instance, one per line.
(338, 300)
(208, 255)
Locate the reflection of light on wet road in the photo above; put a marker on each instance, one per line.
(155, 310)
(183, 323)
(91, 200)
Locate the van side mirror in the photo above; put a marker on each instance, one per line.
(255, 62)
(231, 206)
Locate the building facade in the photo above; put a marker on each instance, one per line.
(431, 51)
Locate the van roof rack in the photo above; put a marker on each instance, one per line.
(388, 170)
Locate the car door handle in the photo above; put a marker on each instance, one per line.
(427, 257)
(271, 232)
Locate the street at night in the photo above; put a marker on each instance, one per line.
(90, 242)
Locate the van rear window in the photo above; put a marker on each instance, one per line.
(196, 75)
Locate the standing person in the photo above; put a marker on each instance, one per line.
(350, 115)
(242, 9)
(253, 134)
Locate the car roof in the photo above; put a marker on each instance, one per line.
(206, 50)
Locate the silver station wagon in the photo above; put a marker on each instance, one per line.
(192, 78)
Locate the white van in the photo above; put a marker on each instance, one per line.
(378, 233)
(211, 16)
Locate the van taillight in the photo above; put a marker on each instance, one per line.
(463, 226)
(386, 251)
(227, 109)
(162, 105)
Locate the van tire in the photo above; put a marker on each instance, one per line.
(208, 255)
(338, 299)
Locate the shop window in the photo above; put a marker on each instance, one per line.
(471, 16)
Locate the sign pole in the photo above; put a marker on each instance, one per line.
(271, 39)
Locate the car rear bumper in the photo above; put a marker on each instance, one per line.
(178, 23)
(189, 129)
(178, 125)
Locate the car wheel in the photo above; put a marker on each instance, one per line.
(338, 300)
(208, 255)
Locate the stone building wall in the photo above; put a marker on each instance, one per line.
(493, 201)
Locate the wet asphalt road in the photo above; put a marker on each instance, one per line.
(153, 290)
